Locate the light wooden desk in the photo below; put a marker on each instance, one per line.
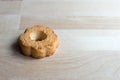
(89, 46)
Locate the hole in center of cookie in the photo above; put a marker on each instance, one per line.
(38, 36)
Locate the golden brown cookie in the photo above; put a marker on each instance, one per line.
(38, 41)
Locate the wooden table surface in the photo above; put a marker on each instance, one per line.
(89, 45)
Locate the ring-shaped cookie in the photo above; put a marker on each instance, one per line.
(38, 41)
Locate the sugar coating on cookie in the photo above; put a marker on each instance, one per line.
(38, 41)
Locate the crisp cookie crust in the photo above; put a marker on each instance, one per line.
(38, 41)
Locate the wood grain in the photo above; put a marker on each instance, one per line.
(71, 7)
(89, 34)
(9, 22)
(76, 58)
(72, 22)
(10, 7)
(76, 14)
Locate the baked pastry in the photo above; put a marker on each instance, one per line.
(38, 41)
